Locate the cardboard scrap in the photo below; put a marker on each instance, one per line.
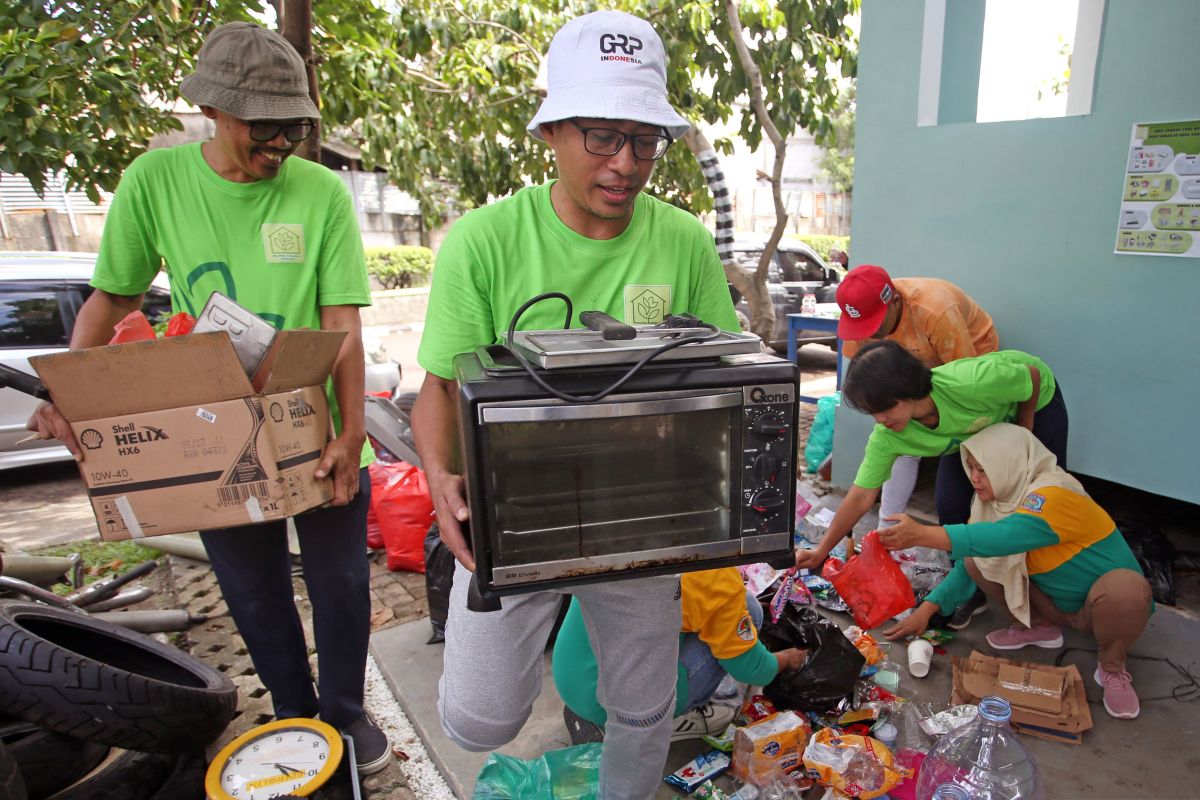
(978, 676)
(1035, 689)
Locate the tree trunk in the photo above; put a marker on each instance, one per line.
(753, 286)
(295, 25)
(756, 94)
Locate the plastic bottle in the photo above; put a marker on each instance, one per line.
(984, 758)
(948, 791)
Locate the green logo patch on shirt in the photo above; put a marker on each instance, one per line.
(646, 305)
(283, 243)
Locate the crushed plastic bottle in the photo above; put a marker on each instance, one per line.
(984, 758)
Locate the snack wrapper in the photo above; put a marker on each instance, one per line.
(866, 644)
(855, 766)
(723, 741)
(709, 791)
(765, 750)
(704, 767)
(758, 577)
(756, 708)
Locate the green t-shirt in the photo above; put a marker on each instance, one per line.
(282, 248)
(970, 394)
(499, 256)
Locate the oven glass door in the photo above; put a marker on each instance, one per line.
(584, 489)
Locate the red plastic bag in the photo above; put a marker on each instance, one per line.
(401, 509)
(180, 324)
(871, 583)
(134, 328)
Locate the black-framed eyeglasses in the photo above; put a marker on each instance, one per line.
(607, 142)
(265, 131)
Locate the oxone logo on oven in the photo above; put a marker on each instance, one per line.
(760, 395)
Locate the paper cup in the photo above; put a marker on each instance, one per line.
(920, 654)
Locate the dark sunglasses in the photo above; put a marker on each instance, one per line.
(607, 142)
(293, 131)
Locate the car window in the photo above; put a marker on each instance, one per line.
(31, 318)
(799, 267)
(156, 305)
(748, 259)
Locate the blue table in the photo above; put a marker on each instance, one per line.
(813, 322)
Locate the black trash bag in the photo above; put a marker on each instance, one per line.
(1156, 555)
(829, 672)
(439, 575)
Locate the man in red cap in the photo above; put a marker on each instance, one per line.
(934, 320)
(931, 318)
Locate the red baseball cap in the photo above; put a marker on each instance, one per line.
(863, 296)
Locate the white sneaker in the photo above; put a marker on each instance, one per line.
(710, 719)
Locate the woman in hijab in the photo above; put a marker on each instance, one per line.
(1040, 547)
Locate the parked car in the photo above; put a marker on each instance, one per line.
(795, 270)
(40, 295)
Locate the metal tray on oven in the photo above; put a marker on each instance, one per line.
(580, 347)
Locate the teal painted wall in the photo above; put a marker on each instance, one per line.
(1023, 216)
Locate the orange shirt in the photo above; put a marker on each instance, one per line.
(939, 323)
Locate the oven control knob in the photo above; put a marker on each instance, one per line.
(770, 425)
(766, 467)
(767, 501)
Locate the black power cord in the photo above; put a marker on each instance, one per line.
(683, 320)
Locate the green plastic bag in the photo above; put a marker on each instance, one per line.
(820, 437)
(572, 773)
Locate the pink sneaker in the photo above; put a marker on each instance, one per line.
(1018, 636)
(1120, 700)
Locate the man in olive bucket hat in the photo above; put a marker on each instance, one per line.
(280, 236)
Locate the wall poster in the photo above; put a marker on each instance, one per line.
(1160, 205)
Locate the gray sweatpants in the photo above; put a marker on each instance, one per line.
(493, 664)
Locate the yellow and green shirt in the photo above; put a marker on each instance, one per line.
(713, 603)
(1068, 539)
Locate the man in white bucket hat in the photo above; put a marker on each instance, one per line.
(237, 214)
(595, 236)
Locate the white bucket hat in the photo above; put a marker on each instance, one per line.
(607, 65)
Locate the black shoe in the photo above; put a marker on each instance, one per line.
(961, 617)
(580, 730)
(372, 751)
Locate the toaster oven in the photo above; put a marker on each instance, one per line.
(689, 465)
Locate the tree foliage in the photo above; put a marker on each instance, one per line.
(437, 91)
(78, 81)
(837, 162)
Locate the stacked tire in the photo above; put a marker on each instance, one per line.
(99, 712)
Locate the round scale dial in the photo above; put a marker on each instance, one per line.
(287, 756)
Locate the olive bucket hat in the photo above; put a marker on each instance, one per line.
(251, 73)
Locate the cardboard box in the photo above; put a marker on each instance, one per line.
(175, 438)
(978, 676)
(1034, 689)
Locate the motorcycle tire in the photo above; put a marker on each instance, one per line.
(124, 775)
(186, 780)
(100, 682)
(49, 761)
(12, 785)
